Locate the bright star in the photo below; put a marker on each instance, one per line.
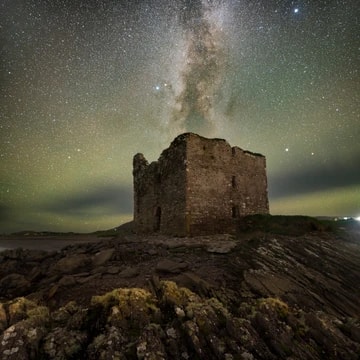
(157, 87)
(296, 10)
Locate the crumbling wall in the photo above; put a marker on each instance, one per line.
(159, 191)
(145, 193)
(198, 186)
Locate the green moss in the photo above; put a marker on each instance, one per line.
(39, 315)
(130, 309)
(19, 309)
(174, 295)
(3, 318)
(219, 308)
(276, 304)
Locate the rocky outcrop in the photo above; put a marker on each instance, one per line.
(173, 322)
(261, 295)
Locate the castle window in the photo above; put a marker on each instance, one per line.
(157, 219)
(158, 178)
(235, 212)
(233, 181)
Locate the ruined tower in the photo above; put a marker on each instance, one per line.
(198, 186)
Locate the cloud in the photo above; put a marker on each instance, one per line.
(314, 179)
(331, 202)
(106, 200)
(5, 212)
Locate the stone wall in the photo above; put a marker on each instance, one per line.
(198, 186)
(223, 183)
(159, 191)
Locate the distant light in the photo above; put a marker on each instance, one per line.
(286, 149)
(296, 10)
(357, 218)
(157, 87)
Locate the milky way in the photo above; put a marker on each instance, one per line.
(201, 73)
(84, 85)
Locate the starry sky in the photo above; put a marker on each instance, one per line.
(85, 85)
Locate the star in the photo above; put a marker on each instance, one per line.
(106, 81)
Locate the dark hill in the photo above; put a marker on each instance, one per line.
(282, 288)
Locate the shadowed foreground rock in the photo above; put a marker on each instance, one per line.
(258, 296)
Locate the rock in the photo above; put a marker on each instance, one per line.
(129, 272)
(83, 280)
(150, 345)
(3, 318)
(221, 247)
(67, 280)
(21, 340)
(170, 266)
(102, 257)
(246, 356)
(193, 282)
(175, 323)
(35, 274)
(352, 328)
(61, 343)
(12, 344)
(71, 264)
(14, 285)
(113, 269)
(152, 252)
(269, 297)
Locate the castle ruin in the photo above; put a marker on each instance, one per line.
(198, 186)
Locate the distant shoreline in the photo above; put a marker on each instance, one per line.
(46, 243)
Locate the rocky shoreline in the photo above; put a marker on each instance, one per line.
(257, 295)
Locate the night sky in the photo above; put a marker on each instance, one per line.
(84, 85)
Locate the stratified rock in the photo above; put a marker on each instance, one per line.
(102, 257)
(67, 280)
(124, 313)
(71, 264)
(21, 340)
(221, 247)
(269, 297)
(170, 266)
(61, 343)
(14, 285)
(129, 272)
(3, 318)
(113, 270)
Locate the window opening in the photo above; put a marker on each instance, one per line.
(157, 219)
(235, 212)
(233, 181)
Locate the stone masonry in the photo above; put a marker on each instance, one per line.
(198, 186)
